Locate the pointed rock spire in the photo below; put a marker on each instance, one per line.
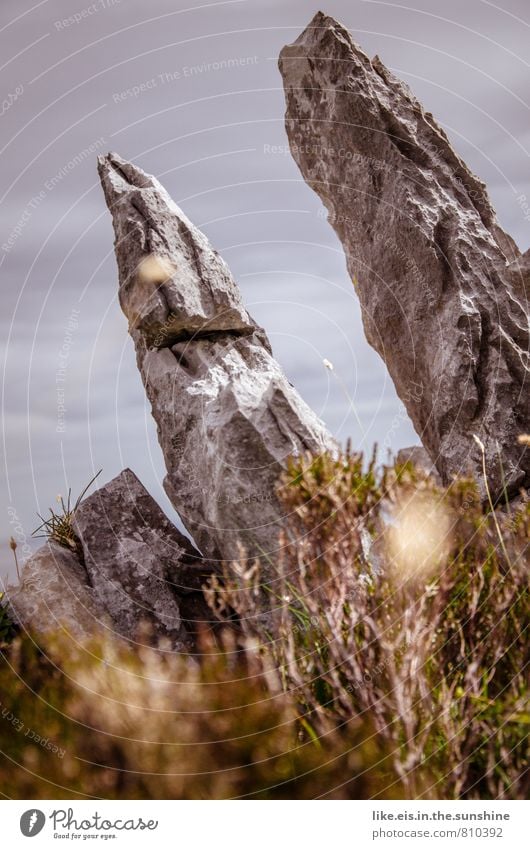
(227, 417)
(444, 291)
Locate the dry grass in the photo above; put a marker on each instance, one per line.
(436, 656)
(387, 659)
(154, 724)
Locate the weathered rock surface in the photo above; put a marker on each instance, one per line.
(134, 574)
(54, 594)
(443, 289)
(227, 417)
(137, 562)
(419, 457)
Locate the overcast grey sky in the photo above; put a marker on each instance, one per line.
(191, 93)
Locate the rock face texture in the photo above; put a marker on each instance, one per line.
(134, 569)
(419, 457)
(137, 562)
(444, 291)
(55, 593)
(227, 417)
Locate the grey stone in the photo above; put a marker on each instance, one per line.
(227, 417)
(419, 457)
(137, 562)
(54, 594)
(443, 289)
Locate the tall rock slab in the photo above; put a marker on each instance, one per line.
(138, 564)
(444, 291)
(226, 415)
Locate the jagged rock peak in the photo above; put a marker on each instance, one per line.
(227, 417)
(444, 291)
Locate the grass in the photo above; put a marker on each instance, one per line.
(152, 725)
(386, 658)
(424, 630)
(59, 526)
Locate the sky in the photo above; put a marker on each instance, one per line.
(192, 94)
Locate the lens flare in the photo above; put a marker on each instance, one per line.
(155, 269)
(418, 537)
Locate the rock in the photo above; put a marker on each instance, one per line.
(172, 285)
(137, 562)
(54, 593)
(419, 457)
(443, 289)
(226, 415)
(133, 574)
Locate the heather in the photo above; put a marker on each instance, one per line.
(384, 657)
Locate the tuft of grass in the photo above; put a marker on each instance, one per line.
(59, 526)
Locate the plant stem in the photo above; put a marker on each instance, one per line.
(16, 564)
(490, 500)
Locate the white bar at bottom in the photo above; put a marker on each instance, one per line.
(265, 824)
